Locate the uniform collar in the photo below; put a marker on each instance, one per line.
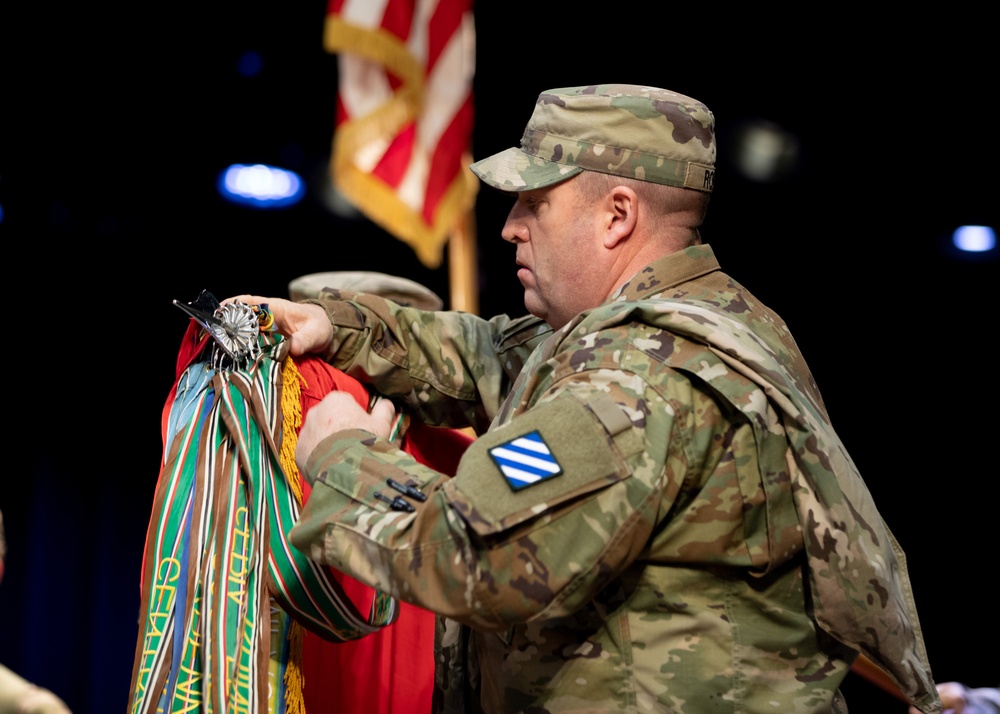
(668, 272)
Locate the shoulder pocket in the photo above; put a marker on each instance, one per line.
(558, 451)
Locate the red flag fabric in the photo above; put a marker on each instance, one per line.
(404, 115)
(390, 671)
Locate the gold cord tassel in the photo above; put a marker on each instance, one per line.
(294, 680)
(291, 410)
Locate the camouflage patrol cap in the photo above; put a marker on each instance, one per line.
(403, 291)
(623, 129)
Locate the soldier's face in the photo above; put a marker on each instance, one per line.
(554, 232)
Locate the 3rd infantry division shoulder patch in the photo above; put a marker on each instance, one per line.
(525, 460)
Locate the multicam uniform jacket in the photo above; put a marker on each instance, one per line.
(657, 515)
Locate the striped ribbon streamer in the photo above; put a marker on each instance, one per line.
(222, 588)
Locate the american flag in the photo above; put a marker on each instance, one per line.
(404, 115)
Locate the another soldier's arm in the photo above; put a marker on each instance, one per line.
(982, 700)
(19, 696)
(959, 699)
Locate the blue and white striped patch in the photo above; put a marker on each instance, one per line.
(525, 461)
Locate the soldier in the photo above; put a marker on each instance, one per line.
(657, 514)
(17, 694)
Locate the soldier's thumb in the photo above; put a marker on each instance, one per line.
(383, 414)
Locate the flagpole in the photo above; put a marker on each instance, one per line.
(869, 670)
(462, 266)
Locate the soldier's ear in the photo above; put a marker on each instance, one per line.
(622, 211)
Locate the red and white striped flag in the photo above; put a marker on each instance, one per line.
(404, 115)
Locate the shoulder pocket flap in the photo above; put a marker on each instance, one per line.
(559, 450)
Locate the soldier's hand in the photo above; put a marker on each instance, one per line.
(19, 695)
(954, 696)
(306, 326)
(338, 411)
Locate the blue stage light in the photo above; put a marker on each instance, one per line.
(250, 64)
(261, 186)
(975, 239)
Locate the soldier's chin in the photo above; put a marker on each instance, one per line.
(534, 305)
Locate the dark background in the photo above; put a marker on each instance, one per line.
(117, 119)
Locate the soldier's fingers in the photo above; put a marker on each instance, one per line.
(247, 299)
(383, 414)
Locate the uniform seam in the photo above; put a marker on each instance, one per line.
(737, 647)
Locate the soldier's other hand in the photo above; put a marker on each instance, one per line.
(21, 696)
(338, 411)
(954, 697)
(306, 326)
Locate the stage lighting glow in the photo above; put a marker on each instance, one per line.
(974, 239)
(260, 186)
(765, 152)
(250, 64)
